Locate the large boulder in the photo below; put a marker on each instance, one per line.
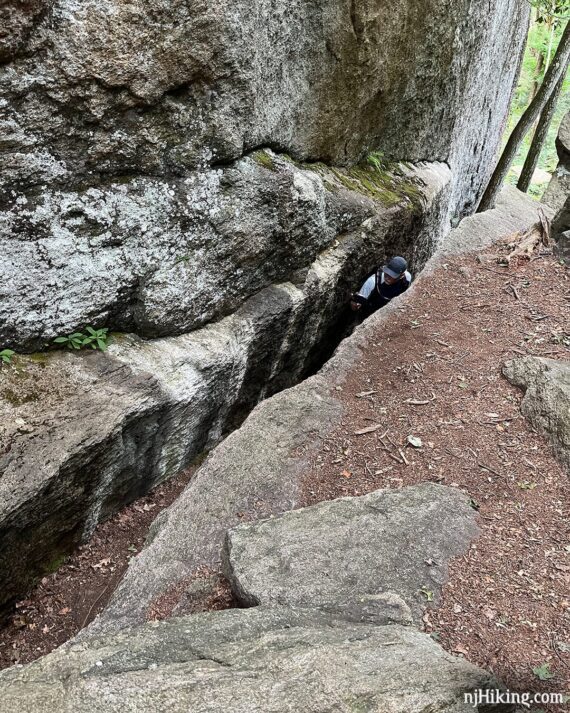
(83, 434)
(107, 88)
(546, 402)
(558, 192)
(268, 659)
(389, 541)
(163, 259)
(258, 470)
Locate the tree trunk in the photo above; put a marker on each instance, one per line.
(551, 28)
(537, 73)
(555, 71)
(539, 137)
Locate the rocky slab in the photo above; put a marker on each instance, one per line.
(262, 660)
(83, 434)
(256, 472)
(163, 259)
(388, 541)
(546, 402)
(101, 89)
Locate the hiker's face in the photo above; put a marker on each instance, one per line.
(390, 280)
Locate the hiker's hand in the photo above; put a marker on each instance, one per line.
(355, 306)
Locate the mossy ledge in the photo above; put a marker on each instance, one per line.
(386, 182)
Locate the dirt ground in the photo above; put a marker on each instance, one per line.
(67, 600)
(435, 374)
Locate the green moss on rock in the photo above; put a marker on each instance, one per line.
(264, 159)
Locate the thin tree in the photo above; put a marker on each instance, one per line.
(539, 137)
(551, 79)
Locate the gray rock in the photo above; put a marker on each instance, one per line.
(558, 190)
(265, 660)
(546, 402)
(163, 258)
(253, 473)
(562, 249)
(389, 541)
(104, 429)
(557, 194)
(260, 479)
(514, 212)
(103, 88)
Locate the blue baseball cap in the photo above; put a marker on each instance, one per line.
(395, 267)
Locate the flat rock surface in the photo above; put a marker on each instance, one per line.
(262, 660)
(512, 214)
(387, 541)
(547, 398)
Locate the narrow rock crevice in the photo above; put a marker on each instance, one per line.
(149, 408)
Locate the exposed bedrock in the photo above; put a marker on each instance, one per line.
(557, 194)
(546, 402)
(267, 659)
(103, 87)
(258, 470)
(81, 435)
(163, 258)
(353, 549)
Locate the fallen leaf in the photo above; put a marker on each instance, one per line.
(101, 564)
(370, 429)
(461, 650)
(526, 485)
(543, 672)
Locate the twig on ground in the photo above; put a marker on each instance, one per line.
(95, 603)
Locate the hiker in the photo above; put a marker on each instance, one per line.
(386, 283)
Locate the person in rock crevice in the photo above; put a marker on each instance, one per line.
(387, 282)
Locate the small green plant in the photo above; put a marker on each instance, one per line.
(543, 672)
(6, 355)
(95, 338)
(376, 160)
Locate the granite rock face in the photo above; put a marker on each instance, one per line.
(162, 259)
(258, 470)
(389, 541)
(105, 88)
(558, 192)
(546, 402)
(267, 659)
(83, 434)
